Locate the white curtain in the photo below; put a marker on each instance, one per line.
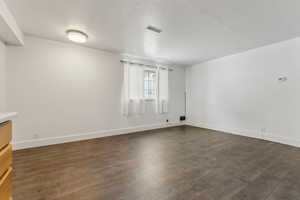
(162, 102)
(133, 90)
(133, 102)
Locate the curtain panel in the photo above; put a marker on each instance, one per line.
(133, 100)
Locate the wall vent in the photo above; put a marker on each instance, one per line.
(154, 29)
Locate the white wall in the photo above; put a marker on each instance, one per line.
(241, 93)
(2, 76)
(65, 92)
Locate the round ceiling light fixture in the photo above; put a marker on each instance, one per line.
(77, 36)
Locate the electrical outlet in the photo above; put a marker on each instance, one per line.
(282, 79)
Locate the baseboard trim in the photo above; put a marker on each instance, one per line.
(249, 133)
(90, 135)
(105, 133)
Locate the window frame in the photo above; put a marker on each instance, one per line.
(153, 98)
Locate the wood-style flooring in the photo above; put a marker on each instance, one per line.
(181, 163)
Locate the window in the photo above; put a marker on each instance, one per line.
(149, 84)
(145, 83)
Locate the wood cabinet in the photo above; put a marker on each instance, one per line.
(5, 185)
(5, 161)
(5, 133)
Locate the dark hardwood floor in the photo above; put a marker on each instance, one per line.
(182, 163)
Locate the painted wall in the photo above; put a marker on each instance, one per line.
(64, 92)
(241, 93)
(2, 76)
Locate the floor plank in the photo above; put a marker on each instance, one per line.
(166, 164)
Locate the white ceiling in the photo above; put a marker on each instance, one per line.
(193, 30)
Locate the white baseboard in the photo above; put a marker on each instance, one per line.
(85, 136)
(282, 140)
(249, 133)
(98, 134)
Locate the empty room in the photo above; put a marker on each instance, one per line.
(149, 100)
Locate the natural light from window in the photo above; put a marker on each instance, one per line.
(149, 84)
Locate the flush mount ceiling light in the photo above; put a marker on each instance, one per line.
(77, 36)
